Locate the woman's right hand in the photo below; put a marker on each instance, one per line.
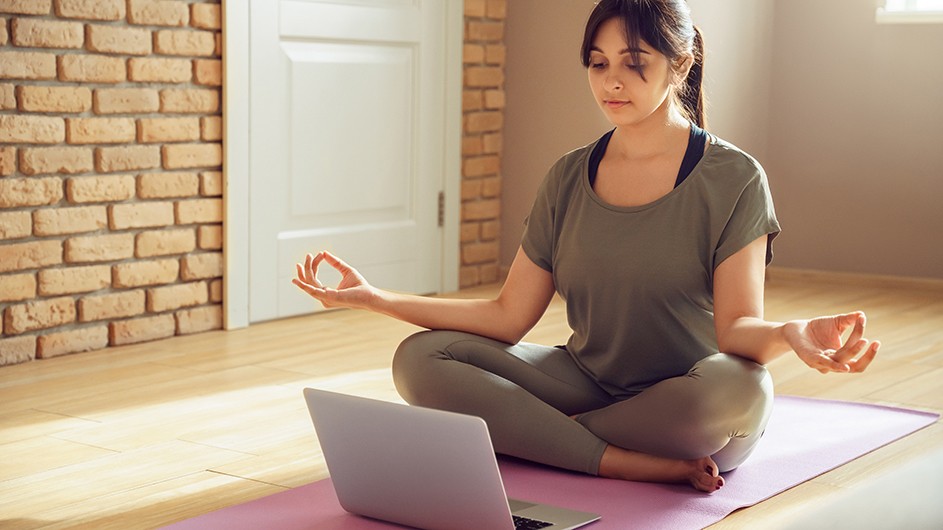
(352, 291)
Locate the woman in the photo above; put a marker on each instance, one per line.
(657, 235)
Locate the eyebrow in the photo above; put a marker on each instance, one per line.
(621, 52)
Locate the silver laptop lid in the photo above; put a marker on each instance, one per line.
(410, 465)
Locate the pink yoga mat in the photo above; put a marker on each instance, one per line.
(805, 438)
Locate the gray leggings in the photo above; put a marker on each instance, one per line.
(526, 393)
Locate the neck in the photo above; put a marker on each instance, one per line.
(652, 136)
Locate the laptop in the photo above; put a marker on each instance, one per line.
(420, 467)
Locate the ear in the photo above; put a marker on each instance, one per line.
(682, 65)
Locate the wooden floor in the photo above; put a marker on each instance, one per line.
(150, 434)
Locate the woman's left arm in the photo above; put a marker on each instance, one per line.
(742, 330)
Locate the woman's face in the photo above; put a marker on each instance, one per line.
(616, 81)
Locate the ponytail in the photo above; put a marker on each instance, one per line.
(691, 94)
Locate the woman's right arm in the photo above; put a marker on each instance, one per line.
(520, 304)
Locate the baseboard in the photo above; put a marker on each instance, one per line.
(853, 278)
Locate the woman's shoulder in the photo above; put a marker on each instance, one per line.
(731, 162)
(569, 167)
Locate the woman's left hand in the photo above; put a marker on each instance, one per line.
(818, 342)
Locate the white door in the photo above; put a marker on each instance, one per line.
(347, 140)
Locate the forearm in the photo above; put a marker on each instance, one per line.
(753, 338)
(488, 318)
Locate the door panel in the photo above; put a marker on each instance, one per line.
(347, 104)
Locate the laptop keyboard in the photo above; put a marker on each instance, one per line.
(523, 523)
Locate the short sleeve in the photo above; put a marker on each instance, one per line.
(752, 216)
(538, 238)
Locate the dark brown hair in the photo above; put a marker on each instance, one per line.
(666, 26)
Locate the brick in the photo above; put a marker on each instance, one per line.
(125, 100)
(211, 128)
(71, 280)
(91, 68)
(111, 247)
(30, 255)
(185, 42)
(473, 54)
(189, 100)
(200, 211)
(123, 158)
(27, 65)
(158, 13)
(492, 143)
(41, 33)
(17, 287)
(469, 232)
(7, 161)
(19, 192)
(497, 9)
(15, 225)
(17, 350)
(159, 70)
(471, 189)
(491, 187)
(219, 45)
(26, 7)
(496, 54)
(488, 273)
(216, 291)
(4, 35)
(165, 185)
(481, 165)
(117, 39)
(210, 237)
(205, 16)
(165, 242)
(176, 296)
(485, 31)
(7, 96)
(152, 130)
(468, 277)
(141, 329)
(481, 210)
(34, 161)
(100, 130)
(39, 314)
(141, 273)
(199, 319)
(91, 9)
(495, 99)
(72, 341)
(211, 183)
(475, 8)
(182, 156)
(473, 253)
(17, 128)
(111, 306)
(201, 266)
(484, 121)
(208, 72)
(483, 76)
(109, 188)
(58, 221)
(63, 99)
(490, 230)
(140, 215)
(472, 100)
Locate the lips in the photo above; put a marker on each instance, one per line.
(615, 103)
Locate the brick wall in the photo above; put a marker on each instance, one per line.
(110, 169)
(483, 108)
(110, 173)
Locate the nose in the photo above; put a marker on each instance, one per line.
(613, 83)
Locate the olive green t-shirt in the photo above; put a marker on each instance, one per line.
(638, 281)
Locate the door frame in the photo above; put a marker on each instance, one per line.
(236, 48)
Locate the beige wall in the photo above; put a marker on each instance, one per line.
(844, 115)
(855, 144)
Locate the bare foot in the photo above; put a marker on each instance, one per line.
(622, 464)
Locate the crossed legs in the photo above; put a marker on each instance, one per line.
(529, 395)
